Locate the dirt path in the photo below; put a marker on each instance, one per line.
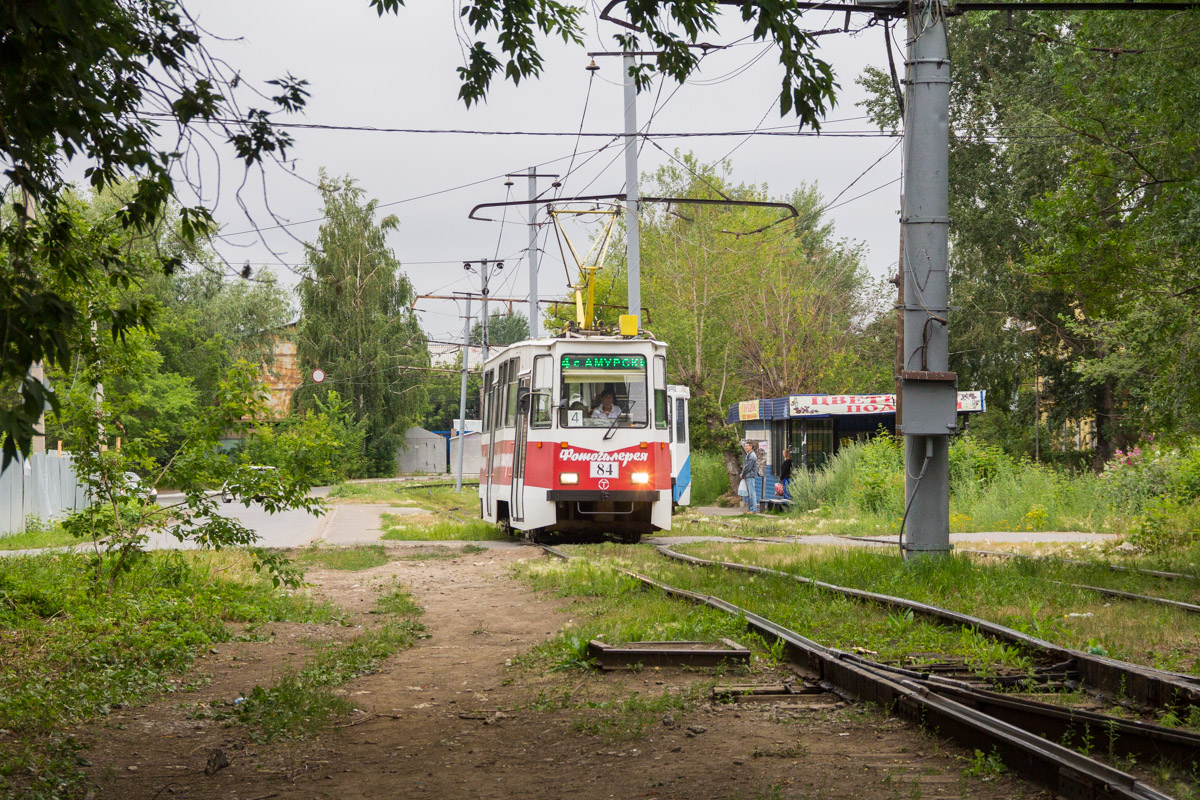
(449, 719)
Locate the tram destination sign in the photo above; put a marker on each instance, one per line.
(614, 362)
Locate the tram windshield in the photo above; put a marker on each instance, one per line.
(603, 391)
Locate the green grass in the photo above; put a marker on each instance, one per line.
(1024, 594)
(71, 653)
(38, 535)
(403, 528)
(344, 558)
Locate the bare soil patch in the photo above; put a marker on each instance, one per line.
(451, 718)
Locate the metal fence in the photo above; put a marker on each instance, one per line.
(43, 486)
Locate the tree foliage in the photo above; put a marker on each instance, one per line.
(357, 325)
(670, 28)
(1074, 189)
(90, 81)
(763, 315)
(504, 328)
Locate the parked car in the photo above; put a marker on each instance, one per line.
(226, 492)
(140, 489)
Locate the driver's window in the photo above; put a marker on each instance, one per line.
(604, 391)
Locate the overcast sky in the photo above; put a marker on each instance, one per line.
(399, 72)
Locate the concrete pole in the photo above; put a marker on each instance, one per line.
(535, 323)
(483, 280)
(632, 244)
(462, 396)
(925, 224)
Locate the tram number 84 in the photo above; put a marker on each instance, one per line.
(604, 469)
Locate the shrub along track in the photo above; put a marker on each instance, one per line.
(995, 723)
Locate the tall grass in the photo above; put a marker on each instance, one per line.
(709, 478)
(861, 491)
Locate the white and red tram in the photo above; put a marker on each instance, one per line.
(578, 435)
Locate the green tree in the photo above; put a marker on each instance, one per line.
(504, 328)
(1074, 191)
(442, 391)
(356, 324)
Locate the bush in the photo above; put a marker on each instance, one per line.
(879, 477)
(323, 447)
(1132, 478)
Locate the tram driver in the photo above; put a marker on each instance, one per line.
(606, 408)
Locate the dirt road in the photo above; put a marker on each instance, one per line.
(452, 718)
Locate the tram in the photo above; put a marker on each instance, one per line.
(582, 438)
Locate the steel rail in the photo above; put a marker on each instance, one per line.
(1072, 561)
(1065, 771)
(1154, 687)
(1190, 608)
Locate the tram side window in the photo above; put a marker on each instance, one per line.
(660, 392)
(514, 368)
(605, 390)
(543, 382)
(485, 400)
(681, 421)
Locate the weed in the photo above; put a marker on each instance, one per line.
(576, 655)
(984, 766)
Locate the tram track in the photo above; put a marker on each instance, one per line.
(1190, 608)
(1146, 685)
(1013, 727)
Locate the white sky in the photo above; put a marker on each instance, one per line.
(399, 72)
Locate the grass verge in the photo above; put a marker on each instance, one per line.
(343, 558)
(72, 652)
(409, 493)
(415, 529)
(38, 535)
(610, 606)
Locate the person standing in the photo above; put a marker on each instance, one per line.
(750, 477)
(785, 474)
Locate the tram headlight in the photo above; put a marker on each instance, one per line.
(568, 478)
(640, 477)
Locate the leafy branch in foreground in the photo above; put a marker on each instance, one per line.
(120, 519)
(91, 81)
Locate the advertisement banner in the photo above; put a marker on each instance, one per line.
(747, 410)
(807, 405)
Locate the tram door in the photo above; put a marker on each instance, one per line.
(520, 436)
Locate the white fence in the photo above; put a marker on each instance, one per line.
(43, 486)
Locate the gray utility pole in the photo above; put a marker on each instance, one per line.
(535, 320)
(462, 396)
(632, 252)
(535, 323)
(928, 388)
